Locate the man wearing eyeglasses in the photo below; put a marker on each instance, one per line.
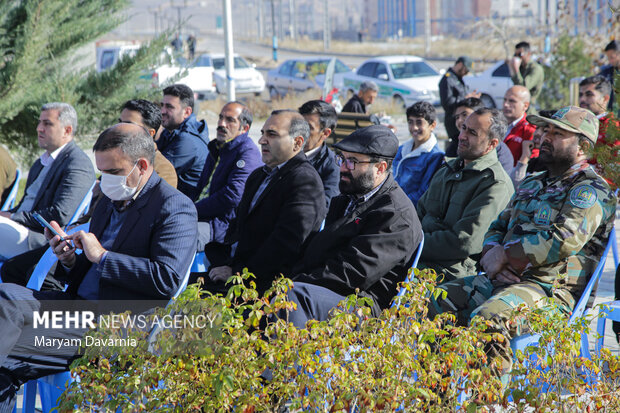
(370, 236)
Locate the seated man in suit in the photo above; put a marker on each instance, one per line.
(184, 139)
(370, 235)
(322, 118)
(57, 183)
(280, 207)
(141, 244)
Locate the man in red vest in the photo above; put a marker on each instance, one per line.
(594, 95)
(516, 103)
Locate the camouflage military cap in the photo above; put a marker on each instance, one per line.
(572, 119)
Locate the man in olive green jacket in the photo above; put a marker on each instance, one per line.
(464, 197)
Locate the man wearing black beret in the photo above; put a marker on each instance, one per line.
(371, 232)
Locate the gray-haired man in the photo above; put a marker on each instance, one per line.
(366, 95)
(57, 182)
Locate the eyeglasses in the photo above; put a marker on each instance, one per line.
(349, 163)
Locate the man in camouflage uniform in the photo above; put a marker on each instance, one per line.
(557, 222)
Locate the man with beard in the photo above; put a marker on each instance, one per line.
(464, 197)
(371, 232)
(184, 139)
(232, 158)
(558, 222)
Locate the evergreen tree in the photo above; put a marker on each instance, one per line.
(38, 64)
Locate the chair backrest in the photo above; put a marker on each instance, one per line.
(9, 202)
(47, 261)
(83, 207)
(410, 276)
(594, 279)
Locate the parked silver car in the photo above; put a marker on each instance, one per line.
(299, 75)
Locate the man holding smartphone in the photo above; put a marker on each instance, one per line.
(140, 244)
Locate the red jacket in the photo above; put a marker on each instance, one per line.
(602, 132)
(522, 131)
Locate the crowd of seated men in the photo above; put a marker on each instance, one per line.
(335, 220)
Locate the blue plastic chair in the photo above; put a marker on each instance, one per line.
(403, 289)
(83, 206)
(9, 202)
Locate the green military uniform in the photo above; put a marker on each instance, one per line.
(553, 225)
(456, 210)
(532, 76)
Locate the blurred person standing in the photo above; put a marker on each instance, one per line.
(453, 89)
(516, 104)
(365, 97)
(524, 71)
(610, 71)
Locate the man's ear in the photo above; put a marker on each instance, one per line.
(142, 164)
(493, 143)
(298, 143)
(187, 111)
(325, 134)
(245, 128)
(585, 148)
(433, 125)
(527, 105)
(382, 166)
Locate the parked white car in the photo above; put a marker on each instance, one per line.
(108, 53)
(247, 78)
(198, 77)
(404, 79)
(492, 84)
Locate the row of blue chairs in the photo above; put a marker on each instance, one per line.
(9, 202)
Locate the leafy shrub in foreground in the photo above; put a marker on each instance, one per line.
(249, 359)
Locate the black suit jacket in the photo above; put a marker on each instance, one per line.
(152, 251)
(270, 235)
(325, 164)
(67, 182)
(371, 248)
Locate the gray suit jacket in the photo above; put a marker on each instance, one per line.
(69, 179)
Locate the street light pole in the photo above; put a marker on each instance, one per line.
(274, 37)
(230, 65)
(326, 28)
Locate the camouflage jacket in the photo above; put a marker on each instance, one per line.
(557, 225)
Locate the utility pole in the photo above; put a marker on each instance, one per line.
(259, 7)
(280, 20)
(274, 36)
(292, 24)
(326, 29)
(427, 28)
(230, 65)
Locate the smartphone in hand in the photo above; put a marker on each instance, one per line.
(47, 225)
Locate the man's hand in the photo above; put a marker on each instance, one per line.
(220, 273)
(526, 151)
(88, 242)
(5, 214)
(64, 251)
(474, 94)
(506, 276)
(494, 261)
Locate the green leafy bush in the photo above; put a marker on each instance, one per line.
(249, 359)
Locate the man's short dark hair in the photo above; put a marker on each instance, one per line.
(298, 126)
(600, 82)
(498, 127)
(150, 112)
(183, 92)
(422, 110)
(135, 145)
(245, 117)
(523, 45)
(472, 103)
(327, 114)
(613, 45)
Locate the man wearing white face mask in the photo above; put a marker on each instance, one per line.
(142, 242)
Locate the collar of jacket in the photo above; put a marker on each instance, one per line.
(387, 186)
(320, 156)
(480, 164)
(228, 146)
